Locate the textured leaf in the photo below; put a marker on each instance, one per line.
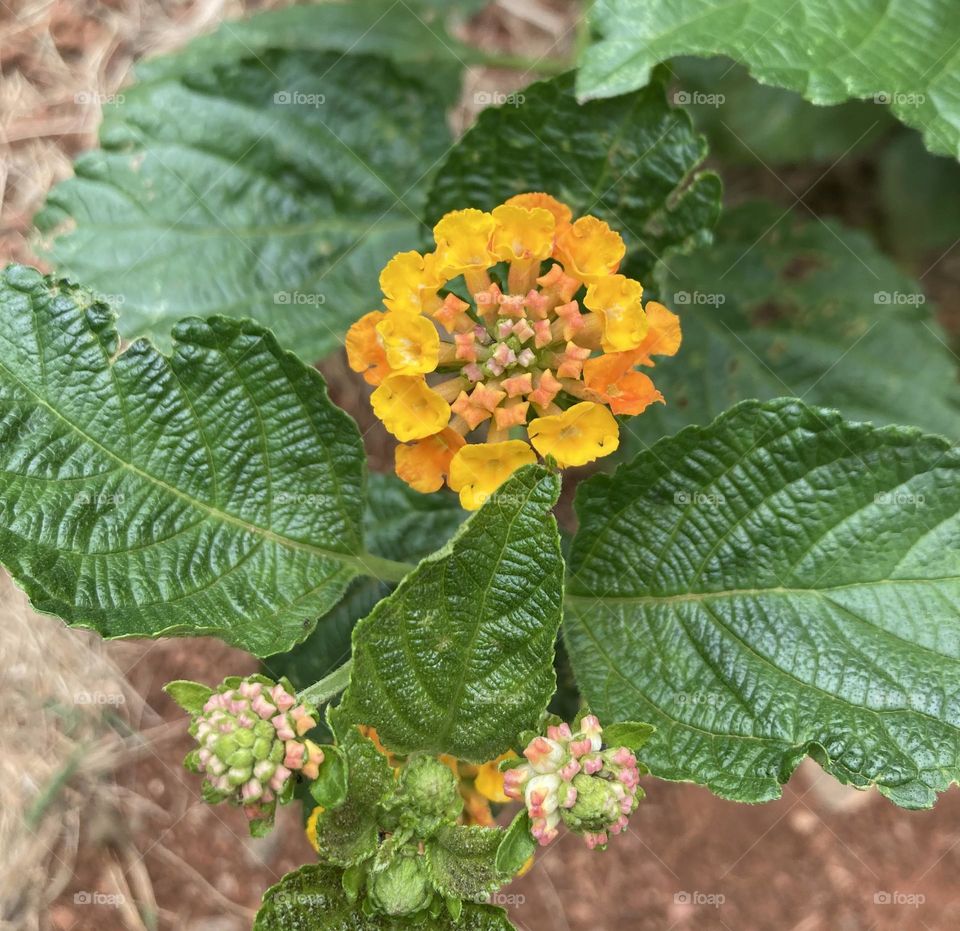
(785, 306)
(903, 54)
(329, 789)
(779, 583)
(348, 834)
(402, 32)
(191, 696)
(460, 657)
(399, 524)
(236, 190)
(312, 899)
(516, 845)
(214, 491)
(627, 160)
(747, 122)
(461, 861)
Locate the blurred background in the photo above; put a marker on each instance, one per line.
(99, 825)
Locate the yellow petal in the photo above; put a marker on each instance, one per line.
(561, 212)
(589, 249)
(463, 241)
(479, 469)
(522, 233)
(411, 343)
(619, 302)
(578, 435)
(409, 282)
(489, 780)
(409, 408)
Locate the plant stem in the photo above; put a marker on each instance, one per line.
(386, 570)
(328, 687)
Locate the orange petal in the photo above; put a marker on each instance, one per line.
(365, 352)
(424, 464)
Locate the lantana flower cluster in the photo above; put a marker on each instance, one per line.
(570, 777)
(516, 336)
(252, 740)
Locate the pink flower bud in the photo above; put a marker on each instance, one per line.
(284, 731)
(514, 779)
(303, 720)
(264, 707)
(251, 791)
(295, 751)
(580, 747)
(596, 840)
(250, 689)
(282, 698)
(541, 796)
(473, 372)
(569, 771)
(279, 779)
(592, 765)
(545, 755)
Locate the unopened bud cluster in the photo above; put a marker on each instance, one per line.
(252, 741)
(570, 777)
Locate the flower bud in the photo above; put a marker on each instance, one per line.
(402, 888)
(250, 744)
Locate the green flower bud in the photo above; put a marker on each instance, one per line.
(598, 804)
(429, 790)
(403, 888)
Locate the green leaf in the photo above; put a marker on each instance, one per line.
(516, 845)
(919, 193)
(329, 789)
(629, 734)
(212, 491)
(397, 31)
(780, 305)
(274, 187)
(779, 583)
(399, 523)
(460, 657)
(191, 696)
(628, 161)
(312, 899)
(348, 834)
(747, 122)
(461, 861)
(828, 50)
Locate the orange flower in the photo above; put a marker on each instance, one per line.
(614, 381)
(424, 464)
(365, 352)
(534, 317)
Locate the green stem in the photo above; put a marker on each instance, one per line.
(328, 687)
(386, 570)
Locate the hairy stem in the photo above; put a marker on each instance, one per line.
(328, 687)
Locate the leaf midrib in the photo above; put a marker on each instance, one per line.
(357, 561)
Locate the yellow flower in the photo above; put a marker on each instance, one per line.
(463, 241)
(561, 212)
(365, 353)
(589, 249)
(410, 281)
(489, 779)
(409, 408)
(663, 336)
(480, 469)
(312, 828)
(424, 464)
(618, 300)
(411, 343)
(576, 436)
(522, 233)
